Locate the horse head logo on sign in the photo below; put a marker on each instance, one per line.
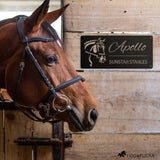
(95, 48)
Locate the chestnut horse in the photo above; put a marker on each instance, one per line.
(36, 72)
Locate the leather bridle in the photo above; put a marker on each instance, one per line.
(52, 90)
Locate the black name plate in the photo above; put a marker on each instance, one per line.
(117, 52)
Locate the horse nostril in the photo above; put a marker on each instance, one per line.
(94, 115)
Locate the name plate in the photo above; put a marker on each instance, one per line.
(117, 52)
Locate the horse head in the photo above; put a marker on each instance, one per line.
(52, 61)
(100, 50)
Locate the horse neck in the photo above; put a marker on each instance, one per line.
(8, 40)
(8, 43)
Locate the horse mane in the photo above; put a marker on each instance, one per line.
(10, 20)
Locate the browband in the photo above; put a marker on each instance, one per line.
(24, 39)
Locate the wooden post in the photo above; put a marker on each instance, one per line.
(1, 135)
(58, 150)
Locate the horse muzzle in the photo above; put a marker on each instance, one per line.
(78, 124)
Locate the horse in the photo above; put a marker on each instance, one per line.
(96, 48)
(37, 74)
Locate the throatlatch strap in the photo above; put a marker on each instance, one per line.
(21, 67)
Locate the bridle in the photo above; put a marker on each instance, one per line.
(52, 90)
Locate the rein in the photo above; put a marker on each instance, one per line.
(52, 90)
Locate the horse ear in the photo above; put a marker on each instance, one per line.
(37, 17)
(54, 15)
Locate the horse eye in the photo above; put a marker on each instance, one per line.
(52, 59)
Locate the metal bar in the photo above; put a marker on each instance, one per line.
(43, 141)
(7, 105)
(37, 141)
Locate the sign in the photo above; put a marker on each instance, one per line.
(117, 52)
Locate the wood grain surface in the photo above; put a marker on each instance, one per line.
(112, 16)
(128, 99)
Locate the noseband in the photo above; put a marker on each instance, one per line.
(52, 90)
